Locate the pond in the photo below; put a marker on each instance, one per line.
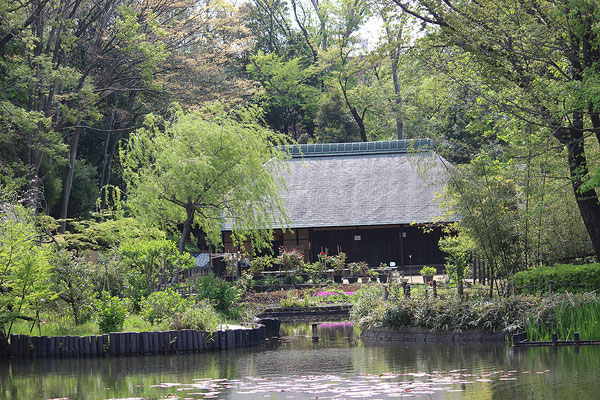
(338, 366)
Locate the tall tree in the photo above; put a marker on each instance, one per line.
(206, 168)
(539, 64)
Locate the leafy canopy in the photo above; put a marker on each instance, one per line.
(207, 168)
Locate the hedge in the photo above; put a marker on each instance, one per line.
(565, 278)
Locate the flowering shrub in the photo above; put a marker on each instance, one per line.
(338, 262)
(231, 262)
(324, 259)
(360, 268)
(290, 260)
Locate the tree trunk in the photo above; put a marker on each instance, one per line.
(68, 183)
(395, 56)
(187, 228)
(587, 200)
(360, 122)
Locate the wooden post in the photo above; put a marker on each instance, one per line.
(123, 336)
(222, 338)
(434, 286)
(550, 286)
(576, 338)
(200, 337)
(554, 339)
(195, 341)
(238, 337)
(53, 347)
(104, 344)
(385, 292)
(459, 289)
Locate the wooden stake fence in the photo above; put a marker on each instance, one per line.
(133, 343)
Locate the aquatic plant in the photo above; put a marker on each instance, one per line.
(565, 315)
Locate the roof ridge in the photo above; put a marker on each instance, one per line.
(358, 148)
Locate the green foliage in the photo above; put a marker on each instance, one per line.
(84, 192)
(367, 303)
(337, 262)
(206, 168)
(496, 315)
(459, 249)
(565, 315)
(158, 261)
(110, 312)
(316, 271)
(565, 278)
(291, 302)
(72, 280)
(24, 268)
(162, 305)
(271, 280)
(334, 122)
(428, 272)
(290, 95)
(244, 284)
(202, 316)
(359, 268)
(290, 259)
(259, 264)
(221, 294)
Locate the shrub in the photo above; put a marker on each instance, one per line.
(338, 262)
(201, 316)
(157, 260)
(428, 272)
(110, 313)
(316, 271)
(290, 260)
(260, 264)
(565, 278)
(271, 280)
(360, 268)
(72, 280)
(367, 303)
(161, 305)
(244, 284)
(217, 291)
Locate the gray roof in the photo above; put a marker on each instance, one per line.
(359, 184)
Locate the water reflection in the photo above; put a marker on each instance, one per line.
(337, 366)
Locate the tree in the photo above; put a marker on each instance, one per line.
(334, 122)
(538, 61)
(206, 168)
(289, 97)
(24, 268)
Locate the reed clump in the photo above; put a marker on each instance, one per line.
(563, 313)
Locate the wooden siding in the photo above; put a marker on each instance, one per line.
(382, 244)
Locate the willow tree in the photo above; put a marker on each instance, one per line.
(207, 168)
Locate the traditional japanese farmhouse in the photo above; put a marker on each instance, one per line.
(370, 200)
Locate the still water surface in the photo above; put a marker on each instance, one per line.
(336, 367)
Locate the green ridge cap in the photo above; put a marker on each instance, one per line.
(358, 148)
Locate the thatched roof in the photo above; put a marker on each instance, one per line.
(363, 184)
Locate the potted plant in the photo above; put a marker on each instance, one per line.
(427, 273)
(338, 263)
(357, 269)
(290, 259)
(371, 275)
(382, 275)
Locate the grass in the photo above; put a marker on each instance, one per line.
(568, 319)
(55, 326)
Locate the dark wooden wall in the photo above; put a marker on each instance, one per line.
(382, 244)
